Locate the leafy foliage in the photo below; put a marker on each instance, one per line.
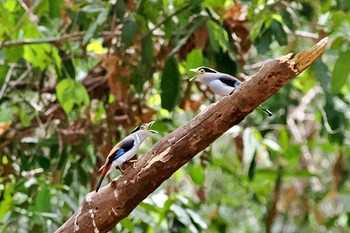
(77, 76)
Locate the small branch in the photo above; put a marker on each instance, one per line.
(23, 76)
(101, 211)
(307, 34)
(55, 40)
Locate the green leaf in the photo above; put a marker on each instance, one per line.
(6, 200)
(194, 59)
(70, 93)
(13, 54)
(341, 72)
(68, 68)
(90, 32)
(197, 174)
(25, 120)
(278, 32)
(93, 7)
(82, 176)
(147, 50)
(44, 162)
(102, 17)
(7, 113)
(263, 42)
(322, 74)
(137, 78)
(3, 74)
(224, 63)
(336, 119)
(42, 55)
(42, 200)
(287, 19)
(284, 138)
(218, 37)
(55, 7)
(128, 31)
(170, 84)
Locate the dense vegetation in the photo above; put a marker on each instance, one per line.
(77, 76)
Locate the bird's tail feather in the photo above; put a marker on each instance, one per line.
(101, 167)
(265, 110)
(103, 174)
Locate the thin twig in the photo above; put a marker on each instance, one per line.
(307, 34)
(14, 83)
(28, 11)
(7, 79)
(168, 18)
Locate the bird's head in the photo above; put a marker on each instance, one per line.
(145, 127)
(203, 74)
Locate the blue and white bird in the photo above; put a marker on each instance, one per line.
(220, 83)
(125, 150)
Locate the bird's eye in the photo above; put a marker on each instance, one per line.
(201, 71)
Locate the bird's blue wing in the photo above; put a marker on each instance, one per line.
(117, 154)
(120, 149)
(229, 81)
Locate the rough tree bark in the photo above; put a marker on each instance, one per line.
(101, 211)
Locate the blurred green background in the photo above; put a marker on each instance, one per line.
(77, 76)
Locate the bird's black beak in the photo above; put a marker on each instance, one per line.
(195, 71)
(149, 126)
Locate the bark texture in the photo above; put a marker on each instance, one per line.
(101, 211)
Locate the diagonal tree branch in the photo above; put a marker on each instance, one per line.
(101, 211)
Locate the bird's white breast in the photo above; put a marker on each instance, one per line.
(220, 88)
(129, 154)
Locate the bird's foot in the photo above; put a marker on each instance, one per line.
(120, 169)
(133, 163)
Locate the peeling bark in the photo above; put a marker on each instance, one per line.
(101, 211)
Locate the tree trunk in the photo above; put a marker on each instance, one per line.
(101, 211)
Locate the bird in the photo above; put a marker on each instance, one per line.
(220, 83)
(125, 150)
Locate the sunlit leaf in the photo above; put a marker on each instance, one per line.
(7, 200)
(194, 59)
(70, 93)
(197, 174)
(42, 200)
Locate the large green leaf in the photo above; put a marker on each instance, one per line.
(341, 72)
(42, 55)
(70, 93)
(128, 31)
(55, 7)
(170, 84)
(322, 74)
(278, 32)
